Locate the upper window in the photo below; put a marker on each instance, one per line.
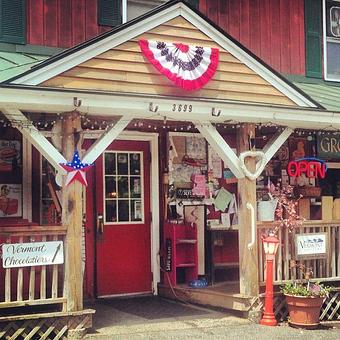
(332, 40)
(114, 12)
(13, 21)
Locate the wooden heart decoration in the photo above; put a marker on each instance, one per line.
(260, 163)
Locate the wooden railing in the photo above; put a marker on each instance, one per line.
(35, 285)
(327, 269)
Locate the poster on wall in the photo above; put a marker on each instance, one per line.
(10, 200)
(9, 155)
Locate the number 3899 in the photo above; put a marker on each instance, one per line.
(181, 108)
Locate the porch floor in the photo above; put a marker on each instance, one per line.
(123, 318)
(224, 295)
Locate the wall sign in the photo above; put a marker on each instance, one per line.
(311, 245)
(10, 200)
(310, 167)
(32, 254)
(328, 146)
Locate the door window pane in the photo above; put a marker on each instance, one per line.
(110, 163)
(123, 187)
(123, 211)
(135, 164)
(111, 211)
(122, 159)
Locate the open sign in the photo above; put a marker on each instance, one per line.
(310, 166)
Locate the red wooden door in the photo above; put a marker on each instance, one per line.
(123, 245)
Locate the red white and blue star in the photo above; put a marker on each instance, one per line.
(76, 170)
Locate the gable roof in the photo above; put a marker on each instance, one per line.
(87, 50)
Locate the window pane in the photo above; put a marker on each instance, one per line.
(111, 211)
(122, 159)
(134, 164)
(333, 60)
(135, 186)
(136, 211)
(110, 187)
(110, 163)
(123, 211)
(123, 187)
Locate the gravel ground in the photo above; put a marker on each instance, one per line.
(156, 318)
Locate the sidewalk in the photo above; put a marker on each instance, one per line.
(156, 318)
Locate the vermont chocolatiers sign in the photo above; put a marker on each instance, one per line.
(328, 146)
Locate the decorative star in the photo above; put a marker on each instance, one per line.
(76, 170)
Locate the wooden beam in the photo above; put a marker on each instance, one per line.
(105, 140)
(41, 143)
(249, 282)
(72, 216)
(276, 142)
(223, 149)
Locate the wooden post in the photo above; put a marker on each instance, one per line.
(249, 278)
(72, 218)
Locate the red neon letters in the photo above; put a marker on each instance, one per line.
(312, 169)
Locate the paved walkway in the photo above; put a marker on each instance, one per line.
(156, 318)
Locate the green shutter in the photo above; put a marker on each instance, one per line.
(110, 12)
(193, 3)
(13, 21)
(313, 27)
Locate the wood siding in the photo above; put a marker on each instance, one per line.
(272, 29)
(62, 23)
(124, 69)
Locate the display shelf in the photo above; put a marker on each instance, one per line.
(181, 254)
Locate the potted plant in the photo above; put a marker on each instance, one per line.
(304, 298)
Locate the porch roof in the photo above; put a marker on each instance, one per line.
(250, 80)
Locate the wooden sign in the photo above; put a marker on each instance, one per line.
(312, 246)
(168, 255)
(32, 254)
(328, 146)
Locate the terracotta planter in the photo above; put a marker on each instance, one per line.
(304, 311)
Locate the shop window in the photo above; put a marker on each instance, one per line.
(50, 195)
(10, 173)
(332, 40)
(123, 187)
(13, 21)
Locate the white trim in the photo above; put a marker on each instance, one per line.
(152, 138)
(61, 65)
(138, 106)
(124, 11)
(26, 179)
(324, 36)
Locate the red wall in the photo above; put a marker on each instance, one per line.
(272, 29)
(62, 23)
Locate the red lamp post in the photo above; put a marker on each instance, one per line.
(270, 245)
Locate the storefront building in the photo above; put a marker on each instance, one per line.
(142, 156)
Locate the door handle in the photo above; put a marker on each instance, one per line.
(100, 224)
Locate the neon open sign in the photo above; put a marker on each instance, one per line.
(310, 166)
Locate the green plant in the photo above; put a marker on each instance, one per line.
(304, 286)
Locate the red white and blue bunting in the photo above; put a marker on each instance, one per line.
(189, 67)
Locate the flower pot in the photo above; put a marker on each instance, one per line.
(304, 311)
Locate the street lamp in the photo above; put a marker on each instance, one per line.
(270, 245)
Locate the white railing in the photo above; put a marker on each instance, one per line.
(327, 269)
(36, 285)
